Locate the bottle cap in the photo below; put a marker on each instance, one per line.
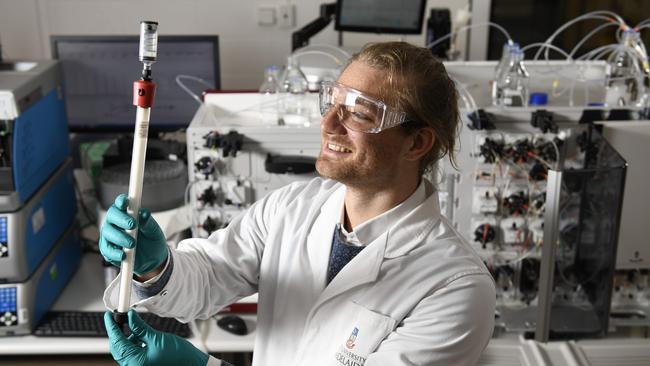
(538, 99)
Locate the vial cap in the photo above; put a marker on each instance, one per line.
(538, 99)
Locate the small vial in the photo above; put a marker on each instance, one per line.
(148, 42)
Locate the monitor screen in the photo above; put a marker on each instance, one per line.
(380, 16)
(99, 71)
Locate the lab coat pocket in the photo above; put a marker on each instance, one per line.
(362, 335)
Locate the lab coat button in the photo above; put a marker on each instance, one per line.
(163, 293)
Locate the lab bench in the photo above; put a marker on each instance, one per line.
(84, 293)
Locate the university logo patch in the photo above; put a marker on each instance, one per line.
(350, 342)
(346, 356)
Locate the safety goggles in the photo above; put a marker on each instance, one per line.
(357, 111)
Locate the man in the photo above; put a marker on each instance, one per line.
(358, 268)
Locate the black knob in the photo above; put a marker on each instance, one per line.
(484, 233)
(210, 225)
(205, 165)
(208, 197)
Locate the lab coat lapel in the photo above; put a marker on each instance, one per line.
(415, 226)
(319, 240)
(362, 269)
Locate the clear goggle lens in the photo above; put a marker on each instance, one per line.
(357, 111)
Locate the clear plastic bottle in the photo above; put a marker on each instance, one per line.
(625, 71)
(498, 72)
(294, 106)
(269, 95)
(512, 83)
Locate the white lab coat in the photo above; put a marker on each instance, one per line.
(417, 295)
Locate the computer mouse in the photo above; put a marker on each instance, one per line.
(233, 324)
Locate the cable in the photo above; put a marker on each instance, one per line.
(557, 151)
(187, 90)
(92, 220)
(328, 46)
(590, 55)
(586, 38)
(540, 44)
(314, 52)
(523, 256)
(592, 15)
(538, 158)
(466, 96)
(465, 28)
(186, 198)
(645, 26)
(642, 23)
(187, 191)
(604, 50)
(256, 106)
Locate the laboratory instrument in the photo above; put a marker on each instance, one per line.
(37, 198)
(33, 128)
(23, 304)
(27, 235)
(506, 172)
(165, 173)
(143, 96)
(234, 159)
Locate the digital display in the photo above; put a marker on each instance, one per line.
(4, 247)
(98, 75)
(8, 300)
(380, 16)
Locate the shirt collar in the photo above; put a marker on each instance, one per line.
(370, 230)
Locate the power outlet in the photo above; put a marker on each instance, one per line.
(266, 15)
(287, 15)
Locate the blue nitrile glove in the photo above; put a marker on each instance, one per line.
(147, 346)
(152, 247)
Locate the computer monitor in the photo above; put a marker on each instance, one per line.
(98, 75)
(380, 16)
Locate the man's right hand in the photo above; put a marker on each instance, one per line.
(151, 250)
(147, 346)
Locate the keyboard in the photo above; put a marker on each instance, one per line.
(91, 324)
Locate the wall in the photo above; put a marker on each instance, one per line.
(245, 46)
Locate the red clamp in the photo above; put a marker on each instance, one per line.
(143, 93)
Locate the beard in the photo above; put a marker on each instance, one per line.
(342, 171)
(372, 167)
